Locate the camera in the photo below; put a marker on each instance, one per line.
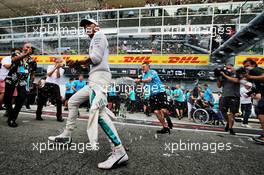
(217, 72)
(252, 91)
(76, 68)
(241, 72)
(13, 54)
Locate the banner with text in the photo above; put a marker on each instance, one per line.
(134, 59)
(258, 58)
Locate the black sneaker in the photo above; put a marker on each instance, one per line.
(39, 118)
(60, 119)
(231, 131)
(170, 125)
(164, 131)
(226, 128)
(12, 123)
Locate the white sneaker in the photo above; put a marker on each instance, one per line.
(118, 157)
(64, 137)
(248, 126)
(243, 125)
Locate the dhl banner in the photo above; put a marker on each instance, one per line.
(258, 58)
(160, 59)
(134, 59)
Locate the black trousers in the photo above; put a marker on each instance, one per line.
(49, 91)
(132, 105)
(19, 101)
(246, 112)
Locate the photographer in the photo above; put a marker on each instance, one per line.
(256, 75)
(51, 90)
(21, 72)
(230, 94)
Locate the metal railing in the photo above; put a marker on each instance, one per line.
(162, 29)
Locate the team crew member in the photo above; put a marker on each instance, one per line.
(22, 69)
(132, 99)
(79, 84)
(178, 98)
(208, 95)
(158, 97)
(69, 92)
(112, 98)
(96, 90)
(51, 89)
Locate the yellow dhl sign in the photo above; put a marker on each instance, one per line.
(134, 59)
(160, 59)
(258, 58)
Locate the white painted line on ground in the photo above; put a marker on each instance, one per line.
(185, 129)
(153, 126)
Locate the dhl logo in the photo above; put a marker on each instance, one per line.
(259, 60)
(46, 60)
(137, 59)
(190, 59)
(50, 59)
(163, 60)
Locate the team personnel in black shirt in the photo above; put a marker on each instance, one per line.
(256, 76)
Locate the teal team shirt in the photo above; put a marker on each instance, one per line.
(178, 92)
(146, 92)
(187, 96)
(155, 86)
(112, 92)
(69, 85)
(79, 84)
(132, 95)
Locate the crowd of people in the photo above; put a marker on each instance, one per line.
(180, 102)
(240, 96)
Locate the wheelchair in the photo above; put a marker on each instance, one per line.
(203, 115)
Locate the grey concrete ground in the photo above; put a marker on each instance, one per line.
(149, 153)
